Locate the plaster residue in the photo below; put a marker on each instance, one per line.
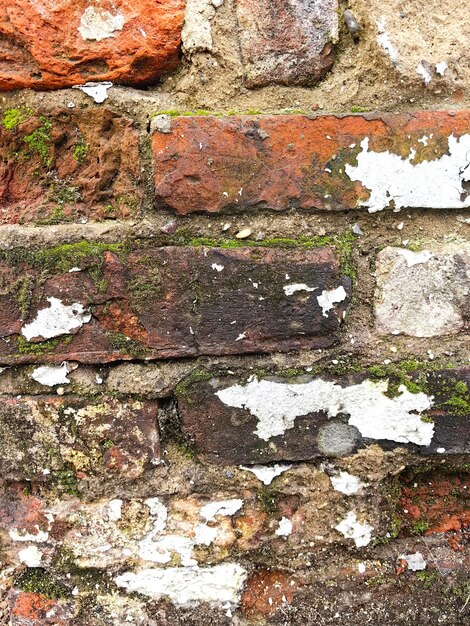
(329, 298)
(222, 507)
(285, 527)
(347, 483)
(96, 24)
(423, 72)
(40, 536)
(51, 375)
(204, 535)
(351, 528)
(414, 561)
(397, 182)
(267, 473)
(289, 290)
(376, 416)
(383, 39)
(219, 585)
(415, 258)
(114, 510)
(162, 549)
(58, 319)
(97, 91)
(441, 68)
(30, 556)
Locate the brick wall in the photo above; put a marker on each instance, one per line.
(234, 313)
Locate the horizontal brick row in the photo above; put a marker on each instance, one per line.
(250, 420)
(99, 303)
(370, 161)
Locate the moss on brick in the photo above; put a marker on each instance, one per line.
(12, 118)
(38, 580)
(39, 141)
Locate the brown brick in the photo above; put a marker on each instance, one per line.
(46, 45)
(211, 164)
(289, 43)
(66, 165)
(245, 420)
(167, 302)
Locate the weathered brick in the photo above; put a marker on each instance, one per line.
(31, 609)
(260, 421)
(288, 43)
(278, 162)
(167, 302)
(44, 436)
(49, 46)
(66, 164)
(425, 293)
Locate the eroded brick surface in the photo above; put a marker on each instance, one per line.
(424, 293)
(66, 165)
(47, 45)
(288, 43)
(330, 163)
(168, 302)
(46, 436)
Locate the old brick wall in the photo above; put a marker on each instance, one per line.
(234, 313)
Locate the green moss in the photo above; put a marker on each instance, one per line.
(145, 289)
(462, 590)
(12, 118)
(126, 345)
(24, 290)
(38, 580)
(358, 109)
(197, 375)
(37, 349)
(39, 141)
(63, 258)
(67, 481)
(428, 578)
(419, 527)
(80, 152)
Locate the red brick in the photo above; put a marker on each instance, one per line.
(168, 302)
(34, 609)
(46, 45)
(230, 164)
(66, 165)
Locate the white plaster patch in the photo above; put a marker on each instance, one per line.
(328, 299)
(289, 290)
(161, 550)
(96, 24)
(267, 473)
(277, 405)
(415, 561)
(351, 528)
(441, 68)
(114, 510)
(218, 585)
(285, 527)
(30, 556)
(347, 483)
(414, 258)
(40, 536)
(58, 319)
(423, 72)
(436, 184)
(216, 267)
(383, 39)
(97, 91)
(223, 507)
(51, 375)
(204, 535)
